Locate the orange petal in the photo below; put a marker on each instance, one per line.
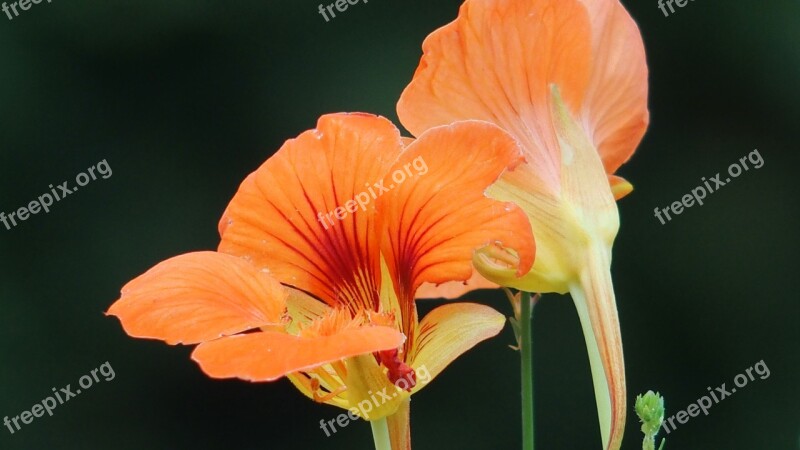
(281, 216)
(449, 331)
(269, 355)
(615, 105)
(620, 187)
(495, 63)
(198, 297)
(455, 289)
(437, 214)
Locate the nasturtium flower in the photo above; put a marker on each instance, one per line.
(567, 79)
(322, 250)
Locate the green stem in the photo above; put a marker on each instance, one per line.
(649, 442)
(380, 434)
(526, 356)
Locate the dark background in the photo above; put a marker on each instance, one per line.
(184, 98)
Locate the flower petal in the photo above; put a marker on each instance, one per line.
(449, 331)
(283, 216)
(437, 217)
(303, 309)
(620, 187)
(615, 105)
(269, 355)
(582, 212)
(455, 289)
(495, 62)
(198, 297)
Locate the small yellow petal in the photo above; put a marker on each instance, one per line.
(620, 187)
(449, 331)
(370, 393)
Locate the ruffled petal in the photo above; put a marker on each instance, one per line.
(198, 297)
(614, 110)
(269, 355)
(495, 62)
(436, 215)
(307, 214)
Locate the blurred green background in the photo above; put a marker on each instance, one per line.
(184, 98)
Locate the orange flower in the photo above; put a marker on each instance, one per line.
(568, 79)
(315, 279)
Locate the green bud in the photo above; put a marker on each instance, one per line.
(650, 409)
